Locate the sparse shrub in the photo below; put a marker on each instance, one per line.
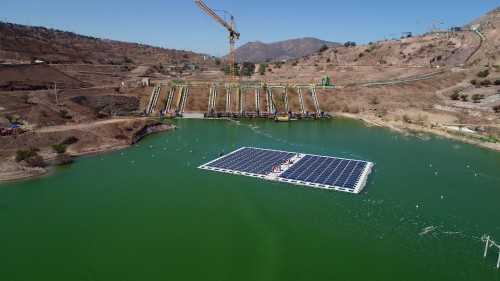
(262, 68)
(59, 148)
(374, 100)
(70, 140)
(455, 95)
(323, 48)
(464, 97)
(496, 108)
(349, 44)
(23, 155)
(406, 119)
(345, 109)
(485, 83)
(473, 82)
(63, 113)
(382, 112)
(35, 161)
(355, 110)
(294, 63)
(95, 110)
(217, 62)
(126, 59)
(328, 60)
(483, 74)
(475, 98)
(248, 68)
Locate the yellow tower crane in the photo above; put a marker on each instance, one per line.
(232, 34)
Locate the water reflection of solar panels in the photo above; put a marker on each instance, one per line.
(302, 169)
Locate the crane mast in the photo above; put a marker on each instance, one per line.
(232, 34)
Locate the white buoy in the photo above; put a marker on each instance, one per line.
(430, 165)
(153, 155)
(442, 197)
(102, 159)
(122, 153)
(417, 206)
(436, 173)
(132, 162)
(467, 166)
(475, 175)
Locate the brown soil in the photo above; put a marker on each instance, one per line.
(95, 87)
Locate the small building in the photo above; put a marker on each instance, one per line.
(146, 82)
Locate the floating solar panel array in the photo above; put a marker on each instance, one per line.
(302, 169)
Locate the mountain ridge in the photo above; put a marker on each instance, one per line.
(258, 51)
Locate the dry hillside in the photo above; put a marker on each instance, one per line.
(417, 77)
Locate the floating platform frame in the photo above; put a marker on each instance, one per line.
(332, 173)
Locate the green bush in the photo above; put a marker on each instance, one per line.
(496, 82)
(262, 68)
(349, 44)
(483, 74)
(126, 59)
(63, 113)
(323, 48)
(475, 98)
(455, 96)
(473, 82)
(59, 148)
(485, 83)
(496, 108)
(248, 68)
(23, 155)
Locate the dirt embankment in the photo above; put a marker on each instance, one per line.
(94, 137)
(35, 77)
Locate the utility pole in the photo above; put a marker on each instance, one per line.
(55, 89)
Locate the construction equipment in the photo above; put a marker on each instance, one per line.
(406, 34)
(232, 34)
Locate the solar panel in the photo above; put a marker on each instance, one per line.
(302, 169)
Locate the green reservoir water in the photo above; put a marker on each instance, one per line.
(148, 213)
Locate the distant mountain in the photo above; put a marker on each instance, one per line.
(282, 50)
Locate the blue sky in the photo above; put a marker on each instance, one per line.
(181, 24)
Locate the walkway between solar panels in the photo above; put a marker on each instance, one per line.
(278, 170)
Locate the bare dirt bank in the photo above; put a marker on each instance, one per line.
(94, 137)
(422, 130)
